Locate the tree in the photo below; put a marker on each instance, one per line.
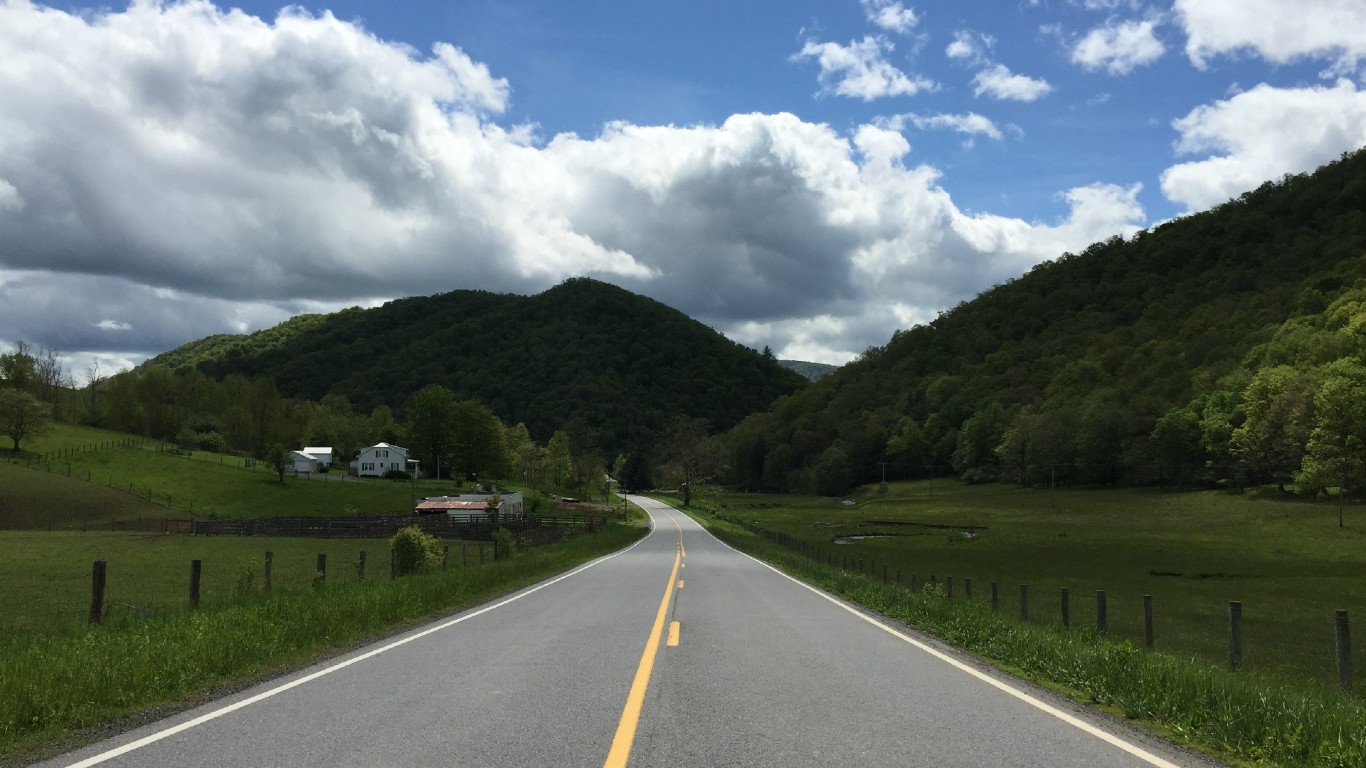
(16, 368)
(1176, 439)
(429, 426)
(278, 459)
(22, 416)
(1336, 452)
(682, 447)
(1279, 403)
(477, 440)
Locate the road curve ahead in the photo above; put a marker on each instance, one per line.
(675, 652)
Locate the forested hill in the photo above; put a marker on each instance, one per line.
(584, 354)
(1195, 352)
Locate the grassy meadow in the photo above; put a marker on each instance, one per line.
(1287, 562)
(200, 484)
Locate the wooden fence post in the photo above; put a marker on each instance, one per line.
(360, 567)
(270, 569)
(967, 589)
(1102, 620)
(1344, 639)
(1148, 621)
(948, 587)
(1235, 634)
(1024, 602)
(898, 577)
(321, 569)
(464, 556)
(995, 602)
(97, 576)
(196, 569)
(393, 564)
(445, 556)
(1066, 609)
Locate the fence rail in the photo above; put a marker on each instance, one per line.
(809, 549)
(471, 527)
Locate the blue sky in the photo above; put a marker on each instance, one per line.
(805, 175)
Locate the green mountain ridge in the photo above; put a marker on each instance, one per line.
(617, 365)
(1065, 374)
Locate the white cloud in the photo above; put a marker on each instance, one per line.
(998, 82)
(860, 69)
(968, 47)
(1276, 30)
(890, 15)
(970, 124)
(10, 200)
(1263, 134)
(1119, 48)
(190, 171)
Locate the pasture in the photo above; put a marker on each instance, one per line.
(1287, 562)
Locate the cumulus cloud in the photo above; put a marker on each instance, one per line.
(998, 82)
(890, 15)
(860, 69)
(1261, 134)
(1278, 31)
(1119, 47)
(175, 171)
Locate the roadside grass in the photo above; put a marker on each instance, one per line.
(1287, 562)
(51, 686)
(47, 576)
(1247, 719)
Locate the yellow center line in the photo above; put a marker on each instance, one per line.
(635, 700)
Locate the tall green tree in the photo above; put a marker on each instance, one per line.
(1279, 403)
(429, 427)
(1336, 452)
(477, 448)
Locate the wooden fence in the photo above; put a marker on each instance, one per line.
(869, 568)
(471, 527)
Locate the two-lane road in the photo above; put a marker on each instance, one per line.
(675, 652)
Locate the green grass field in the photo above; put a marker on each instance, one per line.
(45, 494)
(47, 576)
(1287, 562)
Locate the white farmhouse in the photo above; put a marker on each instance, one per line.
(379, 458)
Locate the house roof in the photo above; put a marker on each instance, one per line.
(301, 455)
(317, 450)
(452, 504)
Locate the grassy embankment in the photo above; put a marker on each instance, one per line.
(1287, 562)
(58, 674)
(201, 484)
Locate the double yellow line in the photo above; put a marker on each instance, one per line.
(635, 700)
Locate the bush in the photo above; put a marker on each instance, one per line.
(415, 551)
(504, 544)
(397, 474)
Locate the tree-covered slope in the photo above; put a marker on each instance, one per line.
(1064, 373)
(586, 355)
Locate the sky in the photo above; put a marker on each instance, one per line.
(799, 174)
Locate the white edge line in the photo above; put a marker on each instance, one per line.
(1039, 704)
(217, 713)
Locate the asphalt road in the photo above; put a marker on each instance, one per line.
(675, 652)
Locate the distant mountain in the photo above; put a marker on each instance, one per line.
(1196, 352)
(616, 366)
(809, 371)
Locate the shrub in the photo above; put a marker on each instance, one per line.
(415, 551)
(397, 474)
(504, 544)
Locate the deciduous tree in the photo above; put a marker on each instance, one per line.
(22, 416)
